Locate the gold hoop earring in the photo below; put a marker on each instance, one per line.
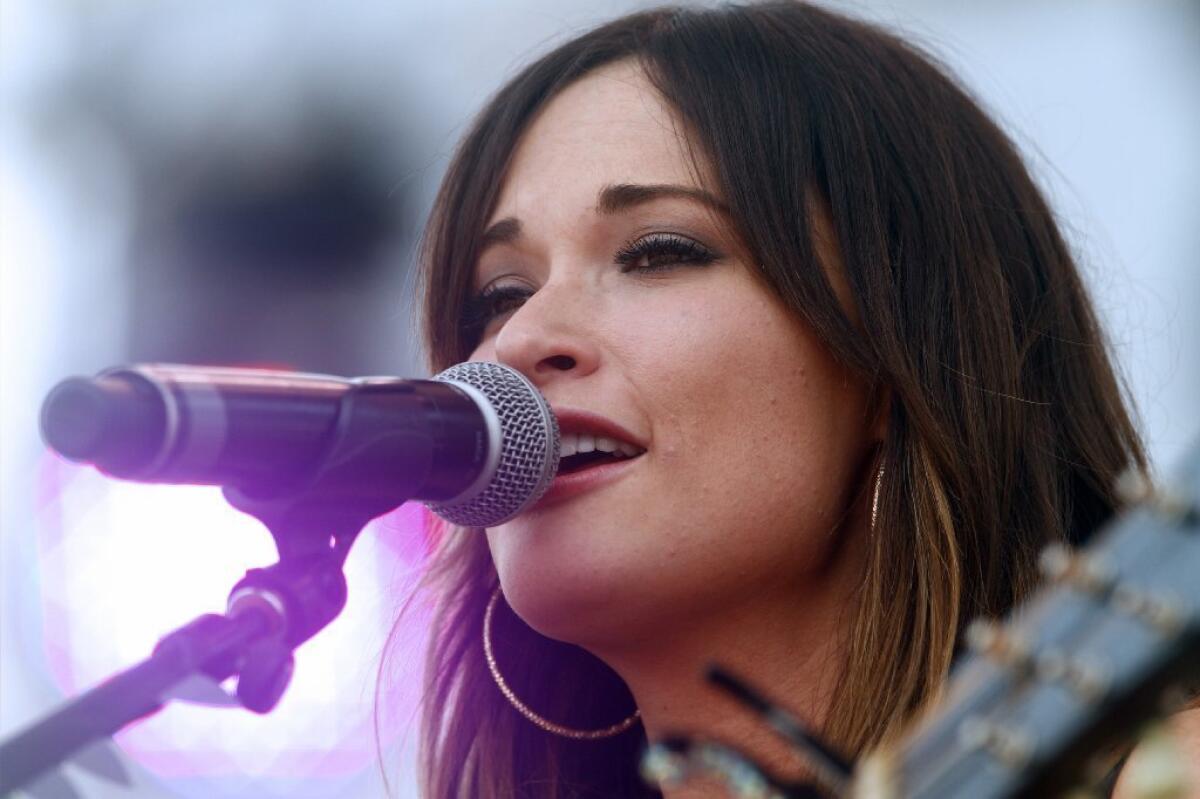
(523, 709)
(875, 498)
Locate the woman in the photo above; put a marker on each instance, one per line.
(846, 383)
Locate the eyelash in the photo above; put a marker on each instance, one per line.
(681, 249)
(661, 252)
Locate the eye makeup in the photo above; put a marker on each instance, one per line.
(648, 253)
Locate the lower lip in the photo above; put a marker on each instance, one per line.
(572, 484)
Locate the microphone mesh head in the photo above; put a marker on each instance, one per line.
(528, 446)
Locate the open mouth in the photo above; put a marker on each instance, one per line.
(580, 451)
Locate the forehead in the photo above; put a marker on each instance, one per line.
(610, 127)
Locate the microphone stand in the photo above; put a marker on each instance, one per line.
(375, 462)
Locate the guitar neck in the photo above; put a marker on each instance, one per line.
(1077, 670)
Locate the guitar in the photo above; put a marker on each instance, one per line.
(1106, 645)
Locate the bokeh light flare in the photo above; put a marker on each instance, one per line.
(123, 564)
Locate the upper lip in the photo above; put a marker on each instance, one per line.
(577, 420)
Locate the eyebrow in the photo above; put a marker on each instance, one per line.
(612, 200)
(623, 196)
(506, 230)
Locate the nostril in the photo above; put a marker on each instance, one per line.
(560, 362)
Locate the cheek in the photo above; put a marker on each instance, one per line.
(757, 420)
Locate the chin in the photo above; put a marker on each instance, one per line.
(592, 580)
(560, 607)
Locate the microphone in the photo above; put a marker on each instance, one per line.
(479, 441)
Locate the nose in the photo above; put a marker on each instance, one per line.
(548, 337)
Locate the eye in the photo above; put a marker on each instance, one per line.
(658, 252)
(493, 302)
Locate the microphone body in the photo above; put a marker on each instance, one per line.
(266, 433)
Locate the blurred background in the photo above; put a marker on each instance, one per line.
(244, 182)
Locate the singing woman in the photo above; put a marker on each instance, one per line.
(827, 377)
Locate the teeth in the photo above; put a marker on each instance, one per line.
(576, 443)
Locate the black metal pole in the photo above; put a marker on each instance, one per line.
(209, 644)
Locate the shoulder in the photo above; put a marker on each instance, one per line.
(1149, 765)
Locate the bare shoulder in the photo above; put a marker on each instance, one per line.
(1152, 763)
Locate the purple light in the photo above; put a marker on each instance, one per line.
(122, 564)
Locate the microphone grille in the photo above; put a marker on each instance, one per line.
(528, 446)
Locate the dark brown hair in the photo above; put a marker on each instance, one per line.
(1006, 427)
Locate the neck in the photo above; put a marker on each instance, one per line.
(784, 644)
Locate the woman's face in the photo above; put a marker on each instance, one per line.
(618, 287)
